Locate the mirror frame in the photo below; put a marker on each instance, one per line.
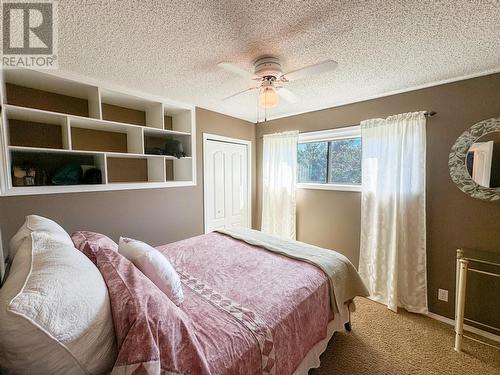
(457, 160)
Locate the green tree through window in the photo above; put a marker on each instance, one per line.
(334, 162)
(312, 162)
(345, 161)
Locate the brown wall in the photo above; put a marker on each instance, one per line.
(157, 216)
(332, 218)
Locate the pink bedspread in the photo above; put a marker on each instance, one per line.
(154, 337)
(252, 311)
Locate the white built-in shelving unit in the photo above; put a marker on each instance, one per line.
(50, 120)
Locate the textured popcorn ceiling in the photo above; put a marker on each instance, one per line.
(172, 48)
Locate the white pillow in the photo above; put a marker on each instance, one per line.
(39, 224)
(55, 315)
(154, 265)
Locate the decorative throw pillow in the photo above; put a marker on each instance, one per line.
(154, 265)
(91, 242)
(40, 224)
(55, 314)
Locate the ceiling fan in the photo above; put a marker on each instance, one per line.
(271, 79)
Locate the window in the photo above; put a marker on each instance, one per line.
(330, 159)
(312, 162)
(344, 166)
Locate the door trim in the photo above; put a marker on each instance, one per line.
(221, 138)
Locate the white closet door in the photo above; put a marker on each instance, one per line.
(226, 185)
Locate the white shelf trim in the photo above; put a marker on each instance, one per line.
(107, 153)
(79, 121)
(52, 189)
(54, 150)
(164, 131)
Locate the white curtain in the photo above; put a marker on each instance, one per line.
(279, 170)
(393, 238)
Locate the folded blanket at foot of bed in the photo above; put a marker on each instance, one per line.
(345, 282)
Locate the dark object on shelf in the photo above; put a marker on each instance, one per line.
(70, 174)
(92, 176)
(41, 177)
(173, 147)
(28, 174)
(155, 151)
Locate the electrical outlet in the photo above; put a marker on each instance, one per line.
(443, 295)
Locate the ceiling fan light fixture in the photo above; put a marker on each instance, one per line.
(268, 97)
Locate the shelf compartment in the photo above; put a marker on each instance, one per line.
(178, 169)
(129, 109)
(158, 140)
(177, 119)
(168, 122)
(91, 135)
(35, 134)
(26, 88)
(32, 129)
(98, 140)
(49, 163)
(156, 170)
(135, 169)
(116, 113)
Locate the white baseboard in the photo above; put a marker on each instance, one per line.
(477, 331)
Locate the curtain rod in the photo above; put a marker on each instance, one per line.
(426, 114)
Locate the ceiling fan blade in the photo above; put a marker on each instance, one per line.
(240, 93)
(236, 69)
(287, 95)
(310, 70)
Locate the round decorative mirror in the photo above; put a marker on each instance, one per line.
(475, 160)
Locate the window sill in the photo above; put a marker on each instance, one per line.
(329, 187)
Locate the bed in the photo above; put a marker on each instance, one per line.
(254, 304)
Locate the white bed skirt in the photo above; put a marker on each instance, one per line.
(311, 360)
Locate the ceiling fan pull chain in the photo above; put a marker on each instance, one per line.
(265, 117)
(258, 112)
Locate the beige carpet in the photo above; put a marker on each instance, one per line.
(383, 342)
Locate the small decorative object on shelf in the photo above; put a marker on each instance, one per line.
(173, 147)
(70, 174)
(18, 176)
(28, 174)
(92, 176)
